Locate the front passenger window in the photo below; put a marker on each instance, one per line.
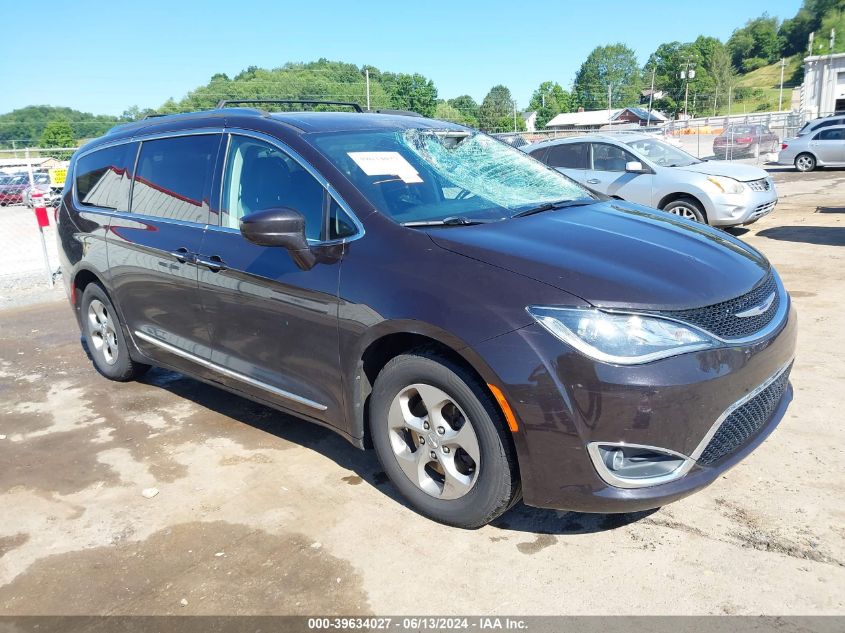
(260, 176)
(610, 157)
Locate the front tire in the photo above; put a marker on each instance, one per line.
(805, 162)
(104, 337)
(687, 208)
(441, 439)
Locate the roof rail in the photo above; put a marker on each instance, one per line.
(152, 116)
(402, 112)
(350, 104)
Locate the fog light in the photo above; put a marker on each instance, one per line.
(636, 466)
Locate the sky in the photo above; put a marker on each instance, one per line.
(104, 57)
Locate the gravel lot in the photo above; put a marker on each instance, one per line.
(259, 513)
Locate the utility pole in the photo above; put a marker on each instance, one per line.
(514, 114)
(780, 96)
(686, 75)
(651, 94)
(367, 77)
(609, 101)
(715, 99)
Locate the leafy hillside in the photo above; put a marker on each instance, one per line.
(25, 126)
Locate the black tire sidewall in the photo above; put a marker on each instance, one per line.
(497, 482)
(123, 368)
(692, 204)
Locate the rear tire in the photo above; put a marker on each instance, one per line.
(805, 162)
(442, 440)
(104, 337)
(687, 208)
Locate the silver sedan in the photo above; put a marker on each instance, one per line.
(822, 148)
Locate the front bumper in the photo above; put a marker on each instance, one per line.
(742, 208)
(565, 401)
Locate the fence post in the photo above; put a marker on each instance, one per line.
(39, 211)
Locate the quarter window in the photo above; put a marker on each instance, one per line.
(260, 176)
(173, 177)
(340, 225)
(103, 177)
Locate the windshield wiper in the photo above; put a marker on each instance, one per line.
(454, 220)
(551, 206)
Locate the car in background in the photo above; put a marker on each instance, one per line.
(825, 121)
(51, 194)
(823, 148)
(745, 140)
(11, 190)
(643, 169)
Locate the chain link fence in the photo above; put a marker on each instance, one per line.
(28, 252)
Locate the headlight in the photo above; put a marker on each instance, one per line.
(726, 185)
(624, 339)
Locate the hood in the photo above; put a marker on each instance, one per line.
(616, 255)
(737, 171)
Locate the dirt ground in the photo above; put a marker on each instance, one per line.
(259, 513)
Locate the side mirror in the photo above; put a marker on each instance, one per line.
(280, 227)
(634, 167)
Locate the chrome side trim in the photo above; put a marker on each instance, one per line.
(228, 372)
(621, 482)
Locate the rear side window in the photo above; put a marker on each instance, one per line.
(103, 177)
(173, 176)
(831, 135)
(538, 153)
(569, 156)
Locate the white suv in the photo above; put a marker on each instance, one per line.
(641, 168)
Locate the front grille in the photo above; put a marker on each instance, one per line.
(762, 210)
(745, 421)
(763, 184)
(720, 318)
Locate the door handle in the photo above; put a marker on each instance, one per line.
(214, 263)
(182, 255)
(593, 181)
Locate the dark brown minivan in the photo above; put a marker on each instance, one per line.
(492, 329)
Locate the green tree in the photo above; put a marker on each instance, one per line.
(57, 133)
(468, 108)
(614, 65)
(496, 113)
(549, 100)
(410, 92)
(758, 38)
(447, 112)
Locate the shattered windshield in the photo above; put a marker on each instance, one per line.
(424, 175)
(663, 154)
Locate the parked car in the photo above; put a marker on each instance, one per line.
(823, 148)
(645, 170)
(11, 191)
(825, 121)
(745, 140)
(492, 329)
(51, 195)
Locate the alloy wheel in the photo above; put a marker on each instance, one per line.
(103, 335)
(433, 441)
(683, 211)
(804, 163)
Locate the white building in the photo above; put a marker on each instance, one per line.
(823, 90)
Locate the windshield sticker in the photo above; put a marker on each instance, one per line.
(386, 164)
